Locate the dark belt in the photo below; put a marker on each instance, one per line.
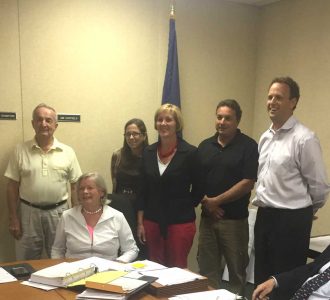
(44, 207)
(274, 209)
(126, 191)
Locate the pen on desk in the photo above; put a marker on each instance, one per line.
(146, 271)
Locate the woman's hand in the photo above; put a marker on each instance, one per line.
(141, 234)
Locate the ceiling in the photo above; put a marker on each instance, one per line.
(255, 2)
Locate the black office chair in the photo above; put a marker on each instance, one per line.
(123, 203)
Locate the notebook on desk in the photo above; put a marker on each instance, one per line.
(89, 294)
(121, 285)
(62, 274)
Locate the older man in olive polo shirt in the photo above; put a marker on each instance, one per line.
(38, 174)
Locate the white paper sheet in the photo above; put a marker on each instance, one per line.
(102, 264)
(44, 287)
(5, 276)
(171, 276)
(319, 243)
(95, 294)
(128, 284)
(208, 295)
(145, 265)
(137, 268)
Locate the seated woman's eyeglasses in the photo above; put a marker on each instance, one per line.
(134, 134)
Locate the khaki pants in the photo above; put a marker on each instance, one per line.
(228, 239)
(39, 227)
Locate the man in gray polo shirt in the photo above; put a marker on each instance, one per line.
(38, 174)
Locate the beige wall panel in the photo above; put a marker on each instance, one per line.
(217, 47)
(294, 40)
(10, 101)
(94, 58)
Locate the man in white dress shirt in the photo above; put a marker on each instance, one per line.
(292, 185)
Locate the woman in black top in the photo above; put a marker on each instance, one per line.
(126, 173)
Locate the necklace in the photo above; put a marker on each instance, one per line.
(162, 154)
(92, 212)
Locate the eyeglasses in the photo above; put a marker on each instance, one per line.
(134, 134)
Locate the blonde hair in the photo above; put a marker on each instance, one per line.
(99, 182)
(175, 111)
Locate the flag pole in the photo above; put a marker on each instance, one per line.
(172, 11)
(171, 88)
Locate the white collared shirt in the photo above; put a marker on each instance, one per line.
(324, 291)
(161, 166)
(43, 177)
(291, 171)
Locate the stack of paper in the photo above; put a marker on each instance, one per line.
(172, 276)
(118, 281)
(101, 264)
(145, 265)
(174, 281)
(83, 273)
(121, 285)
(95, 294)
(102, 277)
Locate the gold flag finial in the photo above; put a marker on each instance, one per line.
(172, 12)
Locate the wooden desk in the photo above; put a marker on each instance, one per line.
(17, 291)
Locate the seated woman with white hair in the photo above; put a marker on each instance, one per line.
(93, 228)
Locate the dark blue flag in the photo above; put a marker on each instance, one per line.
(171, 89)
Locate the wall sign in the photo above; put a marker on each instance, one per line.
(7, 115)
(68, 118)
